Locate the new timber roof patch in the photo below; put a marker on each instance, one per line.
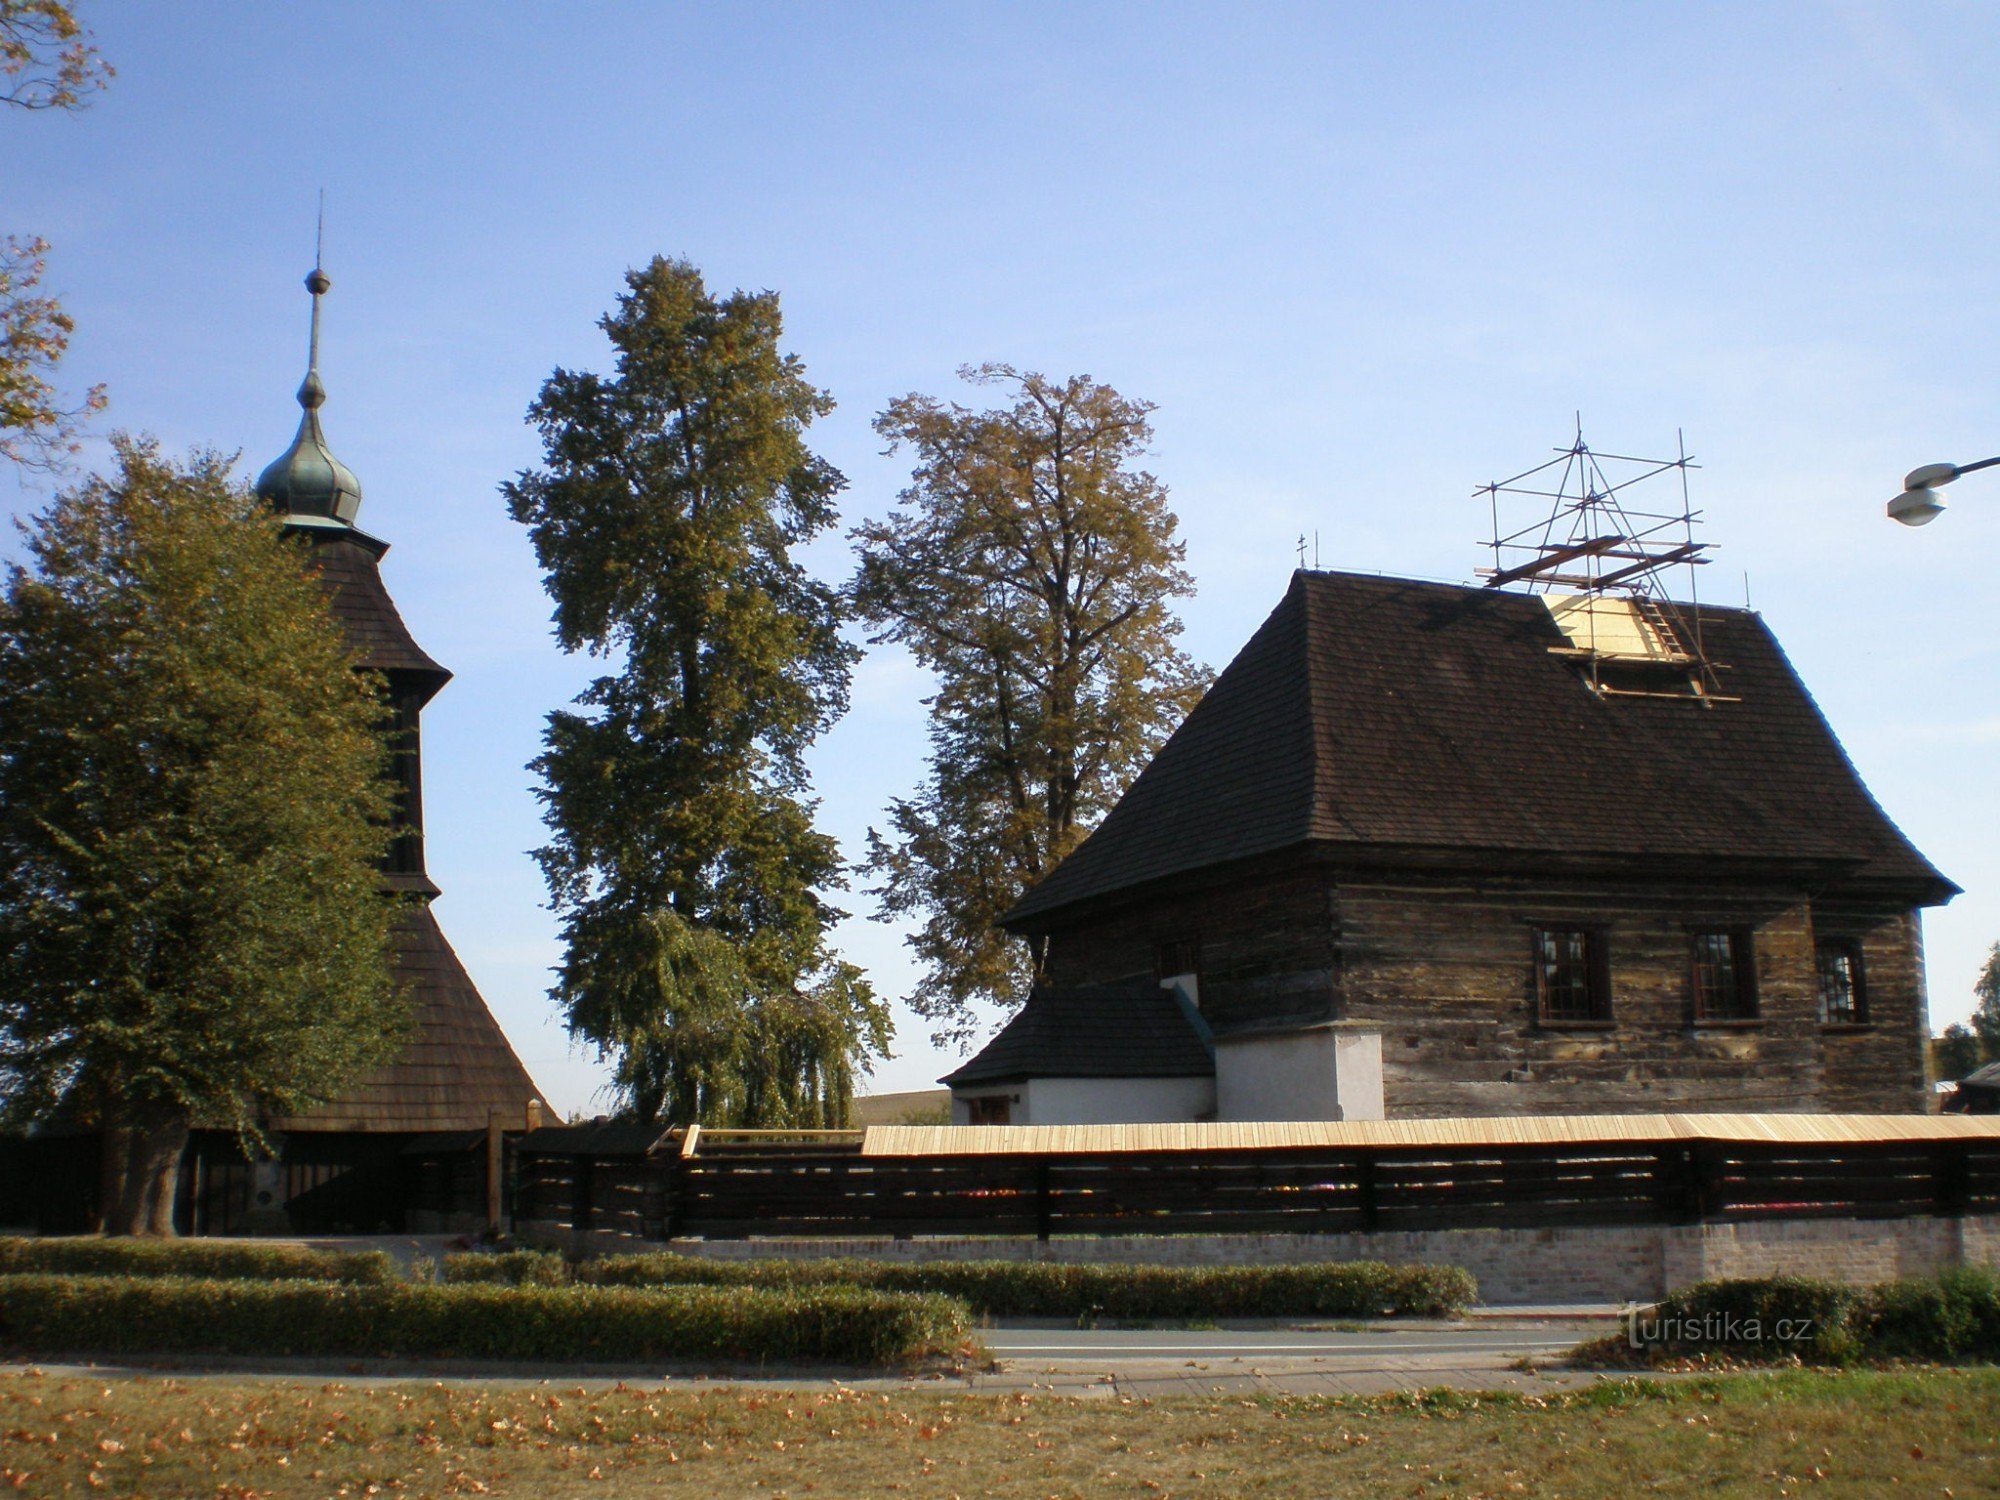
(1544, 1130)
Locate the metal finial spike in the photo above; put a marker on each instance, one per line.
(312, 393)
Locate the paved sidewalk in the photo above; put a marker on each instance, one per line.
(1247, 1377)
(1132, 1378)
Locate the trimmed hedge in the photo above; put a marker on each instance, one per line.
(201, 1259)
(1050, 1289)
(507, 1268)
(833, 1325)
(1955, 1316)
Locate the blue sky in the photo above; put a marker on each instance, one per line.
(1364, 258)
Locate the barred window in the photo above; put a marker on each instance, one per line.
(1572, 976)
(1724, 975)
(1842, 998)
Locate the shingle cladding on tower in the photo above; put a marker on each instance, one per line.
(347, 567)
(457, 1066)
(1373, 715)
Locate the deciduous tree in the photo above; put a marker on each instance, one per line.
(38, 430)
(683, 860)
(1986, 1010)
(1033, 572)
(47, 61)
(47, 57)
(192, 803)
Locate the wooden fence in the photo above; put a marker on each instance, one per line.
(744, 1185)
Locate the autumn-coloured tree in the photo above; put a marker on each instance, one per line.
(47, 57)
(38, 429)
(47, 61)
(683, 860)
(1033, 572)
(193, 802)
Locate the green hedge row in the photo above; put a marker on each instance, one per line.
(506, 1268)
(829, 1325)
(88, 1255)
(1049, 1289)
(1952, 1317)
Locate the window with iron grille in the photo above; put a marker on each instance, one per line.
(1724, 974)
(1843, 999)
(1572, 974)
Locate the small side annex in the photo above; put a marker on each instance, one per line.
(1410, 856)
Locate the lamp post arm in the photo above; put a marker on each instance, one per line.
(1984, 463)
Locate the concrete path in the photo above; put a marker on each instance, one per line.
(1111, 1363)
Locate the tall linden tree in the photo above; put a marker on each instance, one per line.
(193, 801)
(1033, 569)
(683, 860)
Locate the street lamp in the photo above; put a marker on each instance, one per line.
(1919, 505)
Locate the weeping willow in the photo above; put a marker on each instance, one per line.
(698, 1040)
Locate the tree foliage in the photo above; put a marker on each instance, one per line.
(1955, 1052)
(1986, 1010)
(1960, 1048)
(1032, 572)
(47, 57)
(684, 862)
(47, 61)
(37, 429)
(192, 804)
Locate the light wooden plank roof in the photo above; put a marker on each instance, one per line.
(1538, 1130)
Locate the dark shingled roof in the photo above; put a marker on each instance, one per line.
(458, 1063)
(347, 567)
(1092, 1033)
(1386, 716)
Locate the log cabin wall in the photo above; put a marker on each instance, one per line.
(1882, 1063)
(1265, 946)
(1448, 973)
(1444, 965)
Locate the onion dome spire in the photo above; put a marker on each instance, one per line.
(306, 482)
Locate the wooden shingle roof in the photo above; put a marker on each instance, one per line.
(1103, 1032)
(1385, 718)
(458, 1064)
(347, 567)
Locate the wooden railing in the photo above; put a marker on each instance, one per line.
(739, 1187)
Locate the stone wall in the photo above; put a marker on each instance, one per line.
(1514, 1267)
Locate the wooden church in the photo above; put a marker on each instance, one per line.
(428, 1128)
(1430, 849)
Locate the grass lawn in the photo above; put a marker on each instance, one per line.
(1789, 1433)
